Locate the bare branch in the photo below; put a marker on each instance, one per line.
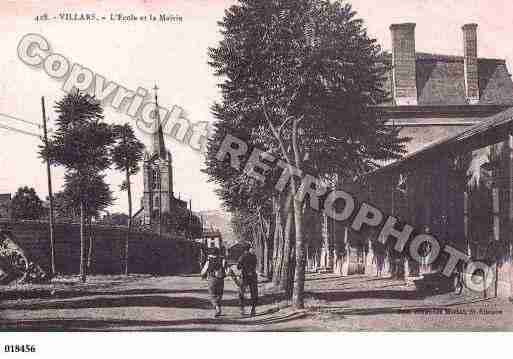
(282, 126)
(266, 115)
(275, 132)
(295, 144)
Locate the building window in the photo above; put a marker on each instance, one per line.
(155, 180)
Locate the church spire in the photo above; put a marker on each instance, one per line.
(159, 147)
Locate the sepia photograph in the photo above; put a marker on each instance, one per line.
(254, 166)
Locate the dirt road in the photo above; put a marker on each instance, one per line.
(181, 303)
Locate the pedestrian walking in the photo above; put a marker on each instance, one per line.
(214, 271)
(247, 265)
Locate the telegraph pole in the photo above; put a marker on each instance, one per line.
(190, 219)
(160, 203)
(50, 192)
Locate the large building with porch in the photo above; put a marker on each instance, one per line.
(455, 181)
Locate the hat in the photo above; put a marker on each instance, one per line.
(214, 251)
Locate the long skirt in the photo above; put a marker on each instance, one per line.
(216, 289)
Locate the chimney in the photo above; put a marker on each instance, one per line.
(404, 74)
(470, 63)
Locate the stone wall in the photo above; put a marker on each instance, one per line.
(148, 253)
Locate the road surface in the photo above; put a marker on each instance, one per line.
(180, 303)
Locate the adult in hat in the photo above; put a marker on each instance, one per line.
(247, 264)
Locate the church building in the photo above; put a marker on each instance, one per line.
(158, 196)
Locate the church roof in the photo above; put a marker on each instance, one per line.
(441, 80)
(158, 146)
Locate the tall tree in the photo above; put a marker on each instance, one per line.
(98, 197)
(26, 204)
(304, 76)
(126, 155)
(81, 144)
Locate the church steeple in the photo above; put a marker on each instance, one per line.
(158, 145)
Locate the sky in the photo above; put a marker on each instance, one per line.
(174, 55)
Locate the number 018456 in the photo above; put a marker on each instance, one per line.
(19, 348)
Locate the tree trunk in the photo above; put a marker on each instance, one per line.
(83, 252)
(90, 251)
(299, 287)
(261, 240)
(127, 240)
(299, 278)
(278, 245)
(270, 247)
(266, 256)
(286, 282)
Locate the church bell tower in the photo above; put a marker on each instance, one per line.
(158, 174)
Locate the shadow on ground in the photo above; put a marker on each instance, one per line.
(340, 296)
(56, 294)
(115, 301)
(86, 324)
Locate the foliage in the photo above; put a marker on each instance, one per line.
(292, 58)
(81, 140)
(128, 150)
(92, 190)
(82, 143)
(300, 79)
(26, 204)
(126, 155)
(181, 220)
(116, 219)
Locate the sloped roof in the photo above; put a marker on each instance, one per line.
(501, 122)
(441, 81)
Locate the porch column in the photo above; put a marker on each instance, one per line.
(345, 259)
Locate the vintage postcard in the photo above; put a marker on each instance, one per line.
(251, 166)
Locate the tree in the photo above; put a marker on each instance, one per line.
(62, 207)
(81, 144)
(182, 220)
(26, 204)
(67, 202)
(116, 219)
(126, 155)
(303, 77)
(97, 198)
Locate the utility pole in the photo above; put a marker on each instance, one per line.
(160, 203)
(190, 219)
(50, 192)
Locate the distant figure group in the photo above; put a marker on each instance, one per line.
(216, 269)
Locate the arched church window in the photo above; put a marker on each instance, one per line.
(155, 179)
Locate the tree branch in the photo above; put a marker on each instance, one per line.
(295, 145)
(275, 132)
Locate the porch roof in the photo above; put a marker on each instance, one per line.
(489, 131)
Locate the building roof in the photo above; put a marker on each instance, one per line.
(489, 131)
(441, 81)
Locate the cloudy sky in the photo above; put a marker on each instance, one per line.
(138, 54)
